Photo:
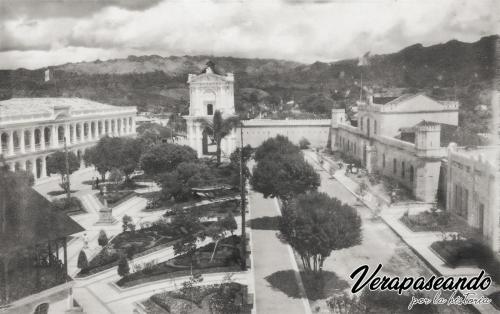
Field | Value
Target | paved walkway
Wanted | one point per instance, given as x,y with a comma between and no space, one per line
270,255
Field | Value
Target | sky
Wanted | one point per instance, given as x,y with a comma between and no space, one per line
39,33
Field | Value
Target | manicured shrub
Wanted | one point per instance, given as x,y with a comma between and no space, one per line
123,267
83,263
103,238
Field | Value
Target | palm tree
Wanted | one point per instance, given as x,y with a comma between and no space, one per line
219,128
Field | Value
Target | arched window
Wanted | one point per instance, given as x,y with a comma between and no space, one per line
42,309
394,165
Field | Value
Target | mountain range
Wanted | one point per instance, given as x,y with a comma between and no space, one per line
452,70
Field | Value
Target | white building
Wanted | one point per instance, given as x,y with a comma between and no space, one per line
33,128
209,92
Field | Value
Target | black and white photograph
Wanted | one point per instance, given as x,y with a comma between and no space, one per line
249,156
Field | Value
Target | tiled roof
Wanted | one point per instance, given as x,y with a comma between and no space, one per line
35,221
19,106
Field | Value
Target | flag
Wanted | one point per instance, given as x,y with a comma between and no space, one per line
363,61
47,75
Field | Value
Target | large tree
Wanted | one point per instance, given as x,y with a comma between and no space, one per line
154,133
179,183
190,228
131,152
163,158
106,155
219,128
56,163
279,145
315,225
284,176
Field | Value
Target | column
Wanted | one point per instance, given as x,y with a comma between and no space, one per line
22,142
11,143
42,139
55,136
44,167
73,137
133,124
33,167
32,140
67,134
199,139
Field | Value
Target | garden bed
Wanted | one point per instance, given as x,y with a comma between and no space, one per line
72,207
115,198
212,210
226,259
131,244
59,192
227,297
468,252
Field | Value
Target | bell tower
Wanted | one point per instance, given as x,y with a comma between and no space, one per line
209,91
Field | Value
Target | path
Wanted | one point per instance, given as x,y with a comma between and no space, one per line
270,255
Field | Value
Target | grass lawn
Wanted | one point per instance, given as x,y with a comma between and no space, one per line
59,192
132,244
115,198
226,259
440,221
227,297
468,253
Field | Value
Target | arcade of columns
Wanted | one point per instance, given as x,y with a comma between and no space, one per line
26,148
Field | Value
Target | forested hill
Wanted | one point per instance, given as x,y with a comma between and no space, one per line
451,70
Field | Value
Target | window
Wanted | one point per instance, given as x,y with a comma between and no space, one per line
402,169
383,160
394,165
361,123
375,127
210,109
412,174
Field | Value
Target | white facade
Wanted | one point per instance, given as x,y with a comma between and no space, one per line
209,92
33,128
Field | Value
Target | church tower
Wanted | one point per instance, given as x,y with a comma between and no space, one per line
209,92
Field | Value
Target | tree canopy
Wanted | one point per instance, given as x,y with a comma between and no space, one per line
279,145
284,176
166,157
179,182
315,224
56,163
219,128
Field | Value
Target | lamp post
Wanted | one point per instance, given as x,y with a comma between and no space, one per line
243,207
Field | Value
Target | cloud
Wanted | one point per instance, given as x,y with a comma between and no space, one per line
297,30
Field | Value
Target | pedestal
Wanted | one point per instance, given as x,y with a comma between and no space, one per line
105,217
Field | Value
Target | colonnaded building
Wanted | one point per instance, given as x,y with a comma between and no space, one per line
33,128
405,138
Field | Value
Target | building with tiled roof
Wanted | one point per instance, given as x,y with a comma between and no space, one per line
33,128
399,137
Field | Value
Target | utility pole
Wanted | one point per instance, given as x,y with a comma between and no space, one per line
243,243
66,161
